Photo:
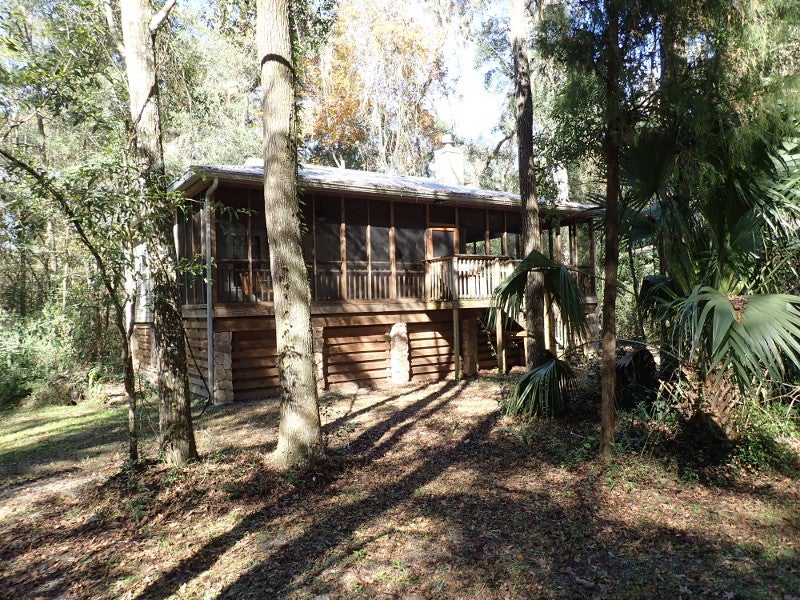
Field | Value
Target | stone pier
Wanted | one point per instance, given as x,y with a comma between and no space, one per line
223,367
399,354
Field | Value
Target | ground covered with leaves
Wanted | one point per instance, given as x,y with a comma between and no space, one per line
427,492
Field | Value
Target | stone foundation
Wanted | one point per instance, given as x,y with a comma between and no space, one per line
318,346
223,367
400,364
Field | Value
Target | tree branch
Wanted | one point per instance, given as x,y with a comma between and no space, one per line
495,152
113,27
161,16
63,203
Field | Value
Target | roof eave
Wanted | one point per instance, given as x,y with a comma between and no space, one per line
201,174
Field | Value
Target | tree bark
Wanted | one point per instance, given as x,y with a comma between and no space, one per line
611,149
531,234
175,417
299,433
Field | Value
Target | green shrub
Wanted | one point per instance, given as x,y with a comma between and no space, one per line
760,451
16,370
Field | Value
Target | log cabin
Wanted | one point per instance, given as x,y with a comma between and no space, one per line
401,269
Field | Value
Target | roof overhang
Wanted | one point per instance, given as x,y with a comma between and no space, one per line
314,178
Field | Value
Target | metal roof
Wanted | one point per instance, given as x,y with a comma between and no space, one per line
317,178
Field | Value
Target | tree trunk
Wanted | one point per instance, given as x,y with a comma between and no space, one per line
636,290
175,417
531,234
299,433
611,146
128,378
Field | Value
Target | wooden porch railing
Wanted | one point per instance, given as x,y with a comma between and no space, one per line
466,276
460,277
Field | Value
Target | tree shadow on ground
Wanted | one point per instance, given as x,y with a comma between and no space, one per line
84,436
315,484
468,512
489,539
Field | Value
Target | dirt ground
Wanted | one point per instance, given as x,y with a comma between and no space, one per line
427,492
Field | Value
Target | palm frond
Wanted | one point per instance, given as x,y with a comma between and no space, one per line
558,282
543,391
657,295
750,335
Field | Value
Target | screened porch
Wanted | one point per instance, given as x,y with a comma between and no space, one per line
360,250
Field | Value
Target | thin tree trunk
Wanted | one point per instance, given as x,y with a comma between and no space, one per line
611,151
175,417
636,303
531,234
299,433
111,287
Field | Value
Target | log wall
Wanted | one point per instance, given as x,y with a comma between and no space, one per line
357,354
356,349
196,355
255,361
431,347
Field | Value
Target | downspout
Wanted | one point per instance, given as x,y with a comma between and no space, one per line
209,289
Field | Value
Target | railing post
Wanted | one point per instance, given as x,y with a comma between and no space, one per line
495,276
427,281
454,278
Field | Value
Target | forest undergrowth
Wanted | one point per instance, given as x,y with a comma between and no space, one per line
427,492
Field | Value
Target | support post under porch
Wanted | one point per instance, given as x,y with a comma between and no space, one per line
500,341
456,341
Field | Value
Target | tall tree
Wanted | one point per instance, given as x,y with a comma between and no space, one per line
139,25
611,153
299,434
370,92
531,234
602,47
60,84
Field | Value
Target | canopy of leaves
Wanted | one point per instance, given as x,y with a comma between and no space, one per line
368,96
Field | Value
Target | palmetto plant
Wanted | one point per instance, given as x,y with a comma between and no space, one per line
728,253
542,391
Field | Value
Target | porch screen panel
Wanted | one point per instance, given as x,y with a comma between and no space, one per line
443,242
497,226
472,225
328,277
191,253
409,243
243,258
442,215
258,279
380,262
231,256
513,234
356,224
307,238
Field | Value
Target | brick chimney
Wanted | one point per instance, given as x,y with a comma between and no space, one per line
448,163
